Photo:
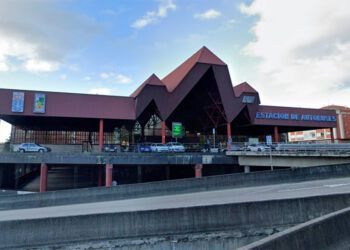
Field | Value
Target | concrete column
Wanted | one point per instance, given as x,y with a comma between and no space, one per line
167,172
229,137
109,175
246,169
43,178
100,136
75,176
198,170
163,132
139,173
99,176
275,137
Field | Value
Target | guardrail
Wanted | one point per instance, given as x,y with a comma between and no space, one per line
218,148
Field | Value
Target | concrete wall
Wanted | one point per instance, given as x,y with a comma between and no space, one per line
118,158
174,186
246,219
290,161
331,231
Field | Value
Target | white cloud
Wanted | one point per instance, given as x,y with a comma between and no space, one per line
5,130
87,78
123,79
38,35
304,51
154,16
4,67
105,75
208,15
100,91
34,65
115,77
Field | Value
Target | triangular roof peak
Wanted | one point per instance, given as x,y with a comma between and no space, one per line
204,55
243,87
152,80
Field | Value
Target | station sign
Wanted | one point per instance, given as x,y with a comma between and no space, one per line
177,130
295,117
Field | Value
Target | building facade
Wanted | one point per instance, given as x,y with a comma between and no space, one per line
198,94
341,133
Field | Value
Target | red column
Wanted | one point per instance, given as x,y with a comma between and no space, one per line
100,136
163,132
275,137
229,137
109,175
43,177
99,175
198,170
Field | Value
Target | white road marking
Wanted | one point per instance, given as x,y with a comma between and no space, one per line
337,185
298,189
306,188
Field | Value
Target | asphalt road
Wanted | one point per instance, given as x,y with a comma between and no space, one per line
237,195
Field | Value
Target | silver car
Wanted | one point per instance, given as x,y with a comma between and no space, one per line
258,148
159,147
175,147
32,147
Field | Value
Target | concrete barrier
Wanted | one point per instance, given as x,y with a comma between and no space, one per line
174,186
265,217
117,158
331,231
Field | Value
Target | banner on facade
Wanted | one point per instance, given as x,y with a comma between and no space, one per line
39,103
177,130
17,102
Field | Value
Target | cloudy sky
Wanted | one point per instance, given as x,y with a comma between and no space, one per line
294,52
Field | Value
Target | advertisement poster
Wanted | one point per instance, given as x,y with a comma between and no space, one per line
17,102
39,103
177,130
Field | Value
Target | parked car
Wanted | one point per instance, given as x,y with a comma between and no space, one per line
112,148
258,147
234,147
32,147
175,147
159,147
144,148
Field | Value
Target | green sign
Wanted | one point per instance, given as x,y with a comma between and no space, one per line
177,130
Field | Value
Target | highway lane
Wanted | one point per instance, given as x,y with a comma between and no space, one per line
225,196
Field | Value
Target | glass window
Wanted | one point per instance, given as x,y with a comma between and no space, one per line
248,99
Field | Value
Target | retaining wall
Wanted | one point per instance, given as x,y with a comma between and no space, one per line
331,231
53,198
245,218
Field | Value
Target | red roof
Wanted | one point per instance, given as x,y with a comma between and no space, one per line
243,88
152,80
204,55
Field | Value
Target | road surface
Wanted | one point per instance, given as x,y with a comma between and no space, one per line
226,196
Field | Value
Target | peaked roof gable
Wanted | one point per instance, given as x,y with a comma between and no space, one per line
243,87
152,80
204,55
